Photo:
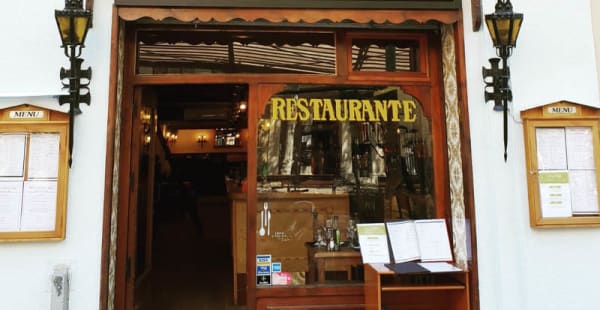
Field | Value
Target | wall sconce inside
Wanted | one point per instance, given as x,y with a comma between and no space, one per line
170,137
201,140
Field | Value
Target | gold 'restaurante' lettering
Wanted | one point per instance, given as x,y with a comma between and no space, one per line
316,104
341,110
328,112
409,107
354,110
277,108
291,108
355,106
303,111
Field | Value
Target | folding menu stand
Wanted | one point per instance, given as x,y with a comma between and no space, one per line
385,289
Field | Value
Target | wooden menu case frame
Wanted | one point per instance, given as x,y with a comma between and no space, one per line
45,126
543,128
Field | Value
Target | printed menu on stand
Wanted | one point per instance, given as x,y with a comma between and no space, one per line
417,246
373,243
425,240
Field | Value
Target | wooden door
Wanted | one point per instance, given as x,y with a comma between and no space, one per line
145,133
138,142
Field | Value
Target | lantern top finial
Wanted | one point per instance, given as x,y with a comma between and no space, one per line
73,4
503,7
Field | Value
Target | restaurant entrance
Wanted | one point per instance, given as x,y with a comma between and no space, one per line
386,159
179,228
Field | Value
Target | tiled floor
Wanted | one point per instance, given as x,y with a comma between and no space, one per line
190,270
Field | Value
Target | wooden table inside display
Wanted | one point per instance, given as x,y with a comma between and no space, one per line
321,261
385,289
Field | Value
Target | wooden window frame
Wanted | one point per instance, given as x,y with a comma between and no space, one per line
423,61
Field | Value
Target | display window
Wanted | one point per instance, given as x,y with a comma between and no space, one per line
329,157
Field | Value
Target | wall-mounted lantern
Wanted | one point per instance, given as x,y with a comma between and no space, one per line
73,23
504,26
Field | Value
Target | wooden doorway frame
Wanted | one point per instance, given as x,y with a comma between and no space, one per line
123,80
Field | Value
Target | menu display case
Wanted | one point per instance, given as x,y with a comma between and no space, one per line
562,156
33,174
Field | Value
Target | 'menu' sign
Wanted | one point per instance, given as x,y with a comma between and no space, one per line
358,110
26,114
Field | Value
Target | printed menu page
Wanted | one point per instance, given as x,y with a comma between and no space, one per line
555,194
43,155
12,155
584,191
426,240
580,148
29,169
10,205
403,241
434,243
566,171
373,243
39,206
551,148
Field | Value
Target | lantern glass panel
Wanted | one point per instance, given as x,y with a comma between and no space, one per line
503,28
64,28
516,28
81,27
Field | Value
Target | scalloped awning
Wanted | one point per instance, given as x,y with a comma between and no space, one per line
290,17
304,4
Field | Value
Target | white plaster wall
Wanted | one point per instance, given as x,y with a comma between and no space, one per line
30,60
521,267
595,8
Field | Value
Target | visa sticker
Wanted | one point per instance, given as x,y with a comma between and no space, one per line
263,270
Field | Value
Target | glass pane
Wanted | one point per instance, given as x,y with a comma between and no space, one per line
163,52
329,157
384,55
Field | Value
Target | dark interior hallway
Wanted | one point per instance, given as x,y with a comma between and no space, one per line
189,271
191,259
